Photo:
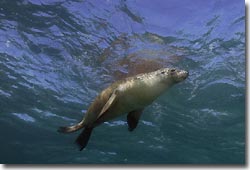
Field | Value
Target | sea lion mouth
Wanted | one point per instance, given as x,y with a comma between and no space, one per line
185,74
181,75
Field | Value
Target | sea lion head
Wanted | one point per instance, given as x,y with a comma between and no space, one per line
172,75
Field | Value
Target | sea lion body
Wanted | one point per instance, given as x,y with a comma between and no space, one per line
130,95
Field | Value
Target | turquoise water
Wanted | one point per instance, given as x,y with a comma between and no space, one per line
56,56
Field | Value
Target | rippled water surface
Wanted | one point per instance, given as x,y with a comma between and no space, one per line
57,55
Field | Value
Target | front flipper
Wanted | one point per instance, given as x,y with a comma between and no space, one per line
133,119
109,103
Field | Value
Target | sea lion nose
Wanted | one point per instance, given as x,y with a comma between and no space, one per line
186,74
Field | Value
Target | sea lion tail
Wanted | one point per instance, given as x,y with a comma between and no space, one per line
83,138
70,129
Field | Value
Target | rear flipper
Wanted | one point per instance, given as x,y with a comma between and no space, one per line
70,129
83,138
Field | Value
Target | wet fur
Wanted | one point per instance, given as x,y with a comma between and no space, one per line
154,83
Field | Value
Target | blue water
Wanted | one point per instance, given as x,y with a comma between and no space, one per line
57,55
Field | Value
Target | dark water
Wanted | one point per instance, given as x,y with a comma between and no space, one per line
57,55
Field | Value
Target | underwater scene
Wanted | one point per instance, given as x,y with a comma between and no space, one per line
56,56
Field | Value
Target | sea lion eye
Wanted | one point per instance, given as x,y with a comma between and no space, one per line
173,70
163,72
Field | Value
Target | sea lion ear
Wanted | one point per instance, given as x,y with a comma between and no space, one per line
133,119
109,103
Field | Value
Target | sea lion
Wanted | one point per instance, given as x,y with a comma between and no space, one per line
130,95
